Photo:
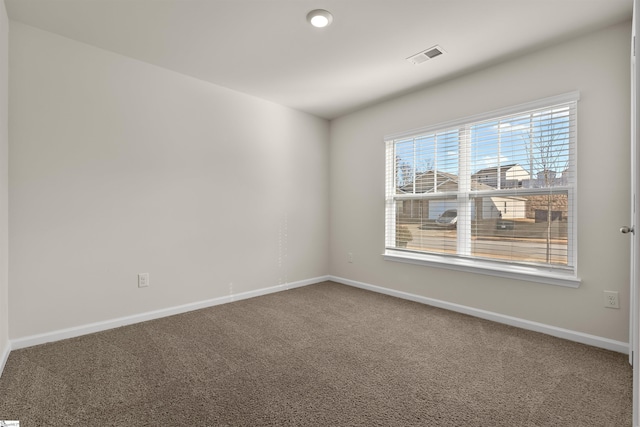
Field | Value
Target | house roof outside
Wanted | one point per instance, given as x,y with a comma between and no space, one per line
432,181
494,169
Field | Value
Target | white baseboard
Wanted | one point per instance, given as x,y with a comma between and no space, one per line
593,340
4,357
580,337
143,317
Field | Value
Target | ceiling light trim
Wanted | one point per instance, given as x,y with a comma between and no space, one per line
320,18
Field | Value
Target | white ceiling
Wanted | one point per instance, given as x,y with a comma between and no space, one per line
267,49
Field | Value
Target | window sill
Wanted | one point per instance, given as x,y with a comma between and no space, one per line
518,272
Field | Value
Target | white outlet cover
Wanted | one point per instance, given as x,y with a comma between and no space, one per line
611,299
143,280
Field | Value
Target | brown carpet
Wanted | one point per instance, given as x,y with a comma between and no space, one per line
321,355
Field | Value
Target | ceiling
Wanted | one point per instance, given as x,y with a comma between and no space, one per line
267,49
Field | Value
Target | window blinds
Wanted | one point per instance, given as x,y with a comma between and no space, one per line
498,187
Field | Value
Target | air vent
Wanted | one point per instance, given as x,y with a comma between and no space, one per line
426,55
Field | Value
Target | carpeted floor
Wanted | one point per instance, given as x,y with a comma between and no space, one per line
321,355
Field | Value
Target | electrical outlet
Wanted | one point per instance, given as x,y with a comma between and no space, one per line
143,280
611,299
350,257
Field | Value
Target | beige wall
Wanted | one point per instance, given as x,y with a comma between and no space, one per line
4,178
119,167
598,66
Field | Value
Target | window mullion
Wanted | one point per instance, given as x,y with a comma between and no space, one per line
413,171
464,187
390,191
499,156
435,163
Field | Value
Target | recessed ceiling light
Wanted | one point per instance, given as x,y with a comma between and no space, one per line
320,18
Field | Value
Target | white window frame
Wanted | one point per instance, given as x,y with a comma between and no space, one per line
540,274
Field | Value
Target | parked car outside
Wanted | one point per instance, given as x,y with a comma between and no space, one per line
449,218
505,224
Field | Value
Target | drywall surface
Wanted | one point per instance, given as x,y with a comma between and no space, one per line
357,183
4,180
119,167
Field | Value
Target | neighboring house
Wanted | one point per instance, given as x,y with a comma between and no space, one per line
540,207
503,176
547,178
432,181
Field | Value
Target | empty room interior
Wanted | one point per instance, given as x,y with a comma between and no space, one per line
278,212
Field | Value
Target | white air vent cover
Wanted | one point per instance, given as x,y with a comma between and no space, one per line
426,55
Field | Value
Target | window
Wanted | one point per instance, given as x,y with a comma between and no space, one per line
494,193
